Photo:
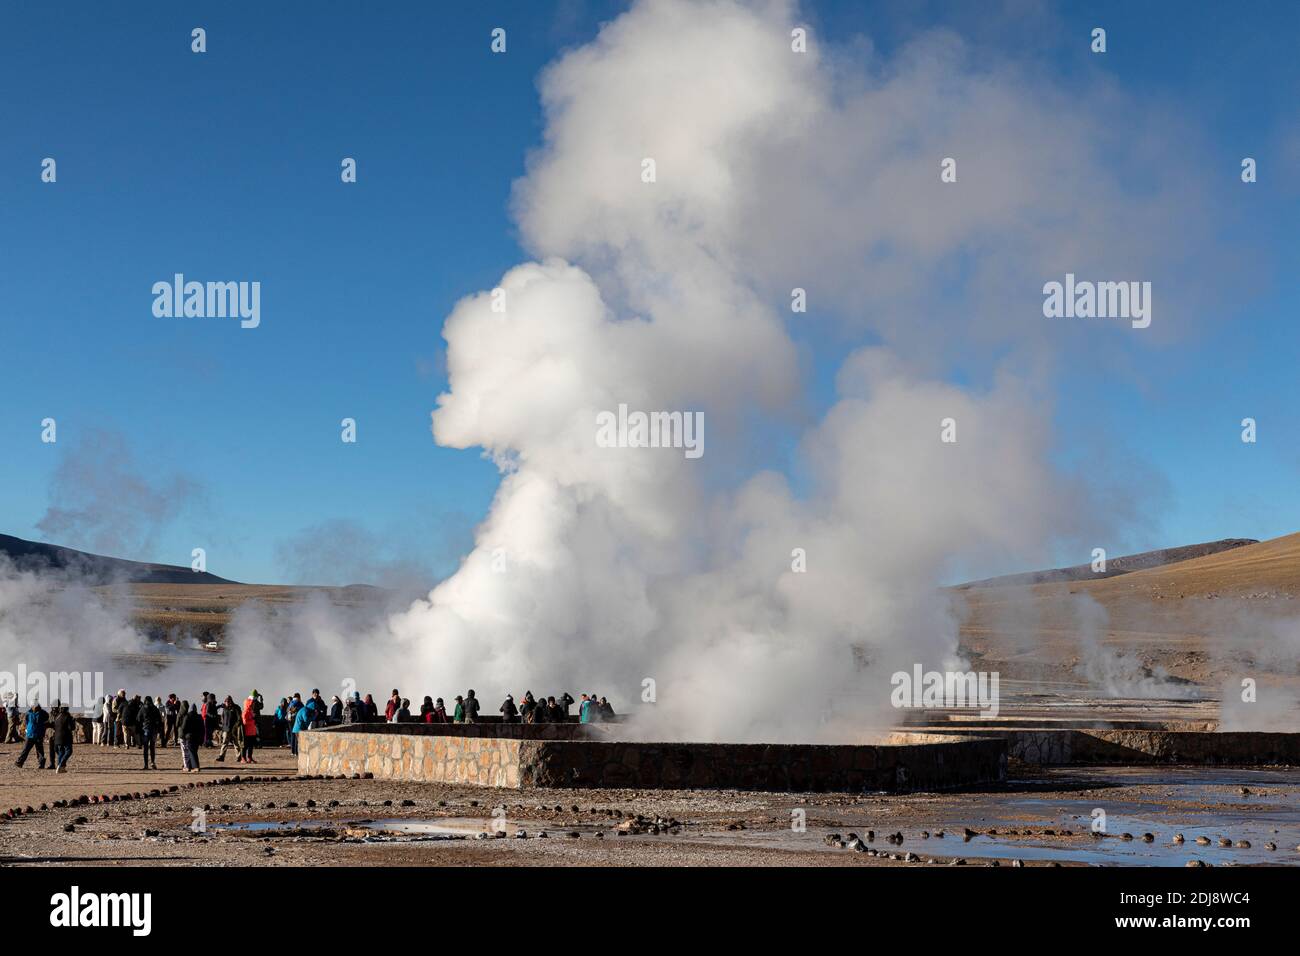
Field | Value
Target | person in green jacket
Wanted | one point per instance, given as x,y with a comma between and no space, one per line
459,717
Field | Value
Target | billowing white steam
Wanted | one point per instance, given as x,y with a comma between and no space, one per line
599,569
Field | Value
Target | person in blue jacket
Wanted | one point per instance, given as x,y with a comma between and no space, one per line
35,735
302,720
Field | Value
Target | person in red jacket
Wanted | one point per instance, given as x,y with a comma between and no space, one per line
250,730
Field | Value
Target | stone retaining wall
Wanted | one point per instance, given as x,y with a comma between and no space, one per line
574,756
436,758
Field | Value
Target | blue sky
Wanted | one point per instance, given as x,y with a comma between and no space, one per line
226,166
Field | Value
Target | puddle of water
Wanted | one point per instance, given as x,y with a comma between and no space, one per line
1111,850
460,827
1194,801
446,826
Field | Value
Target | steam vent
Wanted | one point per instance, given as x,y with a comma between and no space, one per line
522,756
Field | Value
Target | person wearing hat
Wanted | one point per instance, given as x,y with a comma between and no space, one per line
15,716
509,712
459,717
251,708
301,721
61,740
192,729
316,708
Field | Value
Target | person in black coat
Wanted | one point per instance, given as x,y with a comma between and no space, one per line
54,712
192,730
149,723
509,713
65,726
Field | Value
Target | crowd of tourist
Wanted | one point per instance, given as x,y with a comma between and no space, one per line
147,723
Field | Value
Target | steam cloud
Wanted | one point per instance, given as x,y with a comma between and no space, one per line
610,567
102,502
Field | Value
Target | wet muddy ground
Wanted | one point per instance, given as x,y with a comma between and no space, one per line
1070,816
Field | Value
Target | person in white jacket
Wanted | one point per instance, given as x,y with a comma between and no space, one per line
101,725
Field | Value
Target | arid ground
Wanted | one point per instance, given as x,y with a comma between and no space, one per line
1038,818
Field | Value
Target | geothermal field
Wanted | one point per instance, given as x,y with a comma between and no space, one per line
1129,744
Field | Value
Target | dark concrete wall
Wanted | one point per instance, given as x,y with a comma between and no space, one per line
1145,747
522,756
773,767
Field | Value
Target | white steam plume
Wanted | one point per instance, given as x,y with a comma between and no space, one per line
599,568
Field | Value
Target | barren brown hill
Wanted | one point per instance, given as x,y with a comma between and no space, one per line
1125,564
1209,620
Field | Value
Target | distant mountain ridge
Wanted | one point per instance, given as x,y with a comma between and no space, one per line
1114,566
96,569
